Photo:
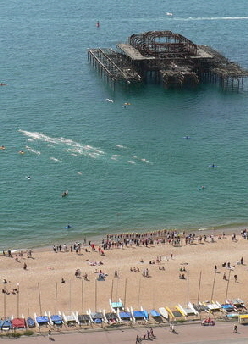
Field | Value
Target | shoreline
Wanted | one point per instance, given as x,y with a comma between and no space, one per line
97,238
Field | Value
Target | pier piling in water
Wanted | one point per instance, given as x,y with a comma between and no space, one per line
166,58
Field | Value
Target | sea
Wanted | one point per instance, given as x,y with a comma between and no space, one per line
136,168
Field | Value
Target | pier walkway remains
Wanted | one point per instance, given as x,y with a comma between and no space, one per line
166,58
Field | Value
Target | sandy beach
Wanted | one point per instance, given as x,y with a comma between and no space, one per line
40,287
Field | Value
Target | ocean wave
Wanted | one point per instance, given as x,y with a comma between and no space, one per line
54,159
74,147
32,150
209,18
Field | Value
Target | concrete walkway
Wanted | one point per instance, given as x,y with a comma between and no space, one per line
221,333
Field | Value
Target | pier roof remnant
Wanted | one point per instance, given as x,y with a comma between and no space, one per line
167,58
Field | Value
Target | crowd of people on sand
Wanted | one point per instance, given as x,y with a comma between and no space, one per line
117,241
172,237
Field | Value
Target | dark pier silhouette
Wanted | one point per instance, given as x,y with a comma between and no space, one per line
166,58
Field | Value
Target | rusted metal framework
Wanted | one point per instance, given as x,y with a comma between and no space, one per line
163,44
166,58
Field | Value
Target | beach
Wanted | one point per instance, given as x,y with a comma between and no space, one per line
144,275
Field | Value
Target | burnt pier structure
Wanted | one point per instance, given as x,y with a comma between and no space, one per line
167,58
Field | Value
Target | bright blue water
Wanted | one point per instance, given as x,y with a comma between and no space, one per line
126,169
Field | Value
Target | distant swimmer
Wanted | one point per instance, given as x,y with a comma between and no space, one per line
68,226
213,166
65,193
28,177
98,24
202,187
126,104
2,147
2,84
21,152
187,137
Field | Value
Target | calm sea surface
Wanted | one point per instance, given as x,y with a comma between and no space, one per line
126,169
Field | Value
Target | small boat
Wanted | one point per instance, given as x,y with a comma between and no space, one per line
6,325
30,322
97,317
111,317
125,316
164,313
84,319
18,323
56,320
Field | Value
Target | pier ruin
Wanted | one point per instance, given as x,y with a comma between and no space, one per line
166,58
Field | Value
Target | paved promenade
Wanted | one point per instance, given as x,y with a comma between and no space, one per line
222,333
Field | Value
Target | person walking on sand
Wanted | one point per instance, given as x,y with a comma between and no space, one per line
235,328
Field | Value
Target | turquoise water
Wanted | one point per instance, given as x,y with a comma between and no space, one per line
126,169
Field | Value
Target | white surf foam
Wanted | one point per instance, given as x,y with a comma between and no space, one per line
73,146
